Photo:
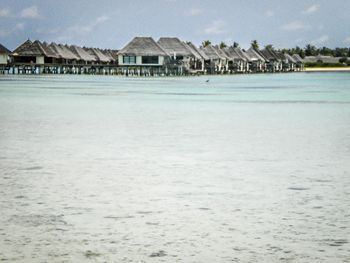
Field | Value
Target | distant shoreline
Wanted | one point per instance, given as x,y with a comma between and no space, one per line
327,69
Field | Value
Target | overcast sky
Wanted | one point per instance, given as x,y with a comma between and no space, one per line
112,23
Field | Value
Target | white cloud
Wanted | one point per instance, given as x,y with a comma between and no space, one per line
30,12
78,29
321,40
5,12
294,26
101,19
269,13
83,29
312,9
12,30
194,12
347,40
216,27
19,26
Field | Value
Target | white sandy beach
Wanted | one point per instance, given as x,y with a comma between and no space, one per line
330,69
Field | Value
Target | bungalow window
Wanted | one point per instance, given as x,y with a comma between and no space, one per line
150,60
177,58
129,60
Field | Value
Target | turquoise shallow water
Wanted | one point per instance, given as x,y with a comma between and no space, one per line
246,168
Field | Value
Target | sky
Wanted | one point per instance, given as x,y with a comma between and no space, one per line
113,23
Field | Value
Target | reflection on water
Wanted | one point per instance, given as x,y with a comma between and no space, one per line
240,169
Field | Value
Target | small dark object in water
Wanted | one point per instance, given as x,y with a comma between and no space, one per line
160,253
32,168
90,254
207,80
298,188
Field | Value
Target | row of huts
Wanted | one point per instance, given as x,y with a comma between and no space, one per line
144,56
41,57
322,59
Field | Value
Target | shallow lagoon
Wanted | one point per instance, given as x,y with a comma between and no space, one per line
245,168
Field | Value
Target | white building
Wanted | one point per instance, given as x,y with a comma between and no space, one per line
4,55
142,51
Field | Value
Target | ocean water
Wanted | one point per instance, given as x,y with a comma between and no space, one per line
246,168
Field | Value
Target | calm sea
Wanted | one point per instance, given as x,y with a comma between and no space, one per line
246,168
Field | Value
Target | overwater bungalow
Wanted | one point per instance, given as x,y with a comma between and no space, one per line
256,61
4,58
112,54
67,60
203,61
4,55
142,56
237,61
226,60
217,62
64,53
84,56
299,62
273,61
244,58
290,63
283,60
181,57
102,60
33,57
85,63
198,62
100,57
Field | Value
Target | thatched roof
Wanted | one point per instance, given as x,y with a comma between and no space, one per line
33,49
49,51
4,50
91,52
242,54
23,47
221,53
254,55
199,51
269,54
261,54
210,52
174,46
290,58
111,53
63,52
37,48
101,56
108,54
27,49
232,53
194,52
142,46
297,58
81,53
281,56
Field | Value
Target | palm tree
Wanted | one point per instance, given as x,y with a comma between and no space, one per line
310,50
254,44
222,44
206,43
